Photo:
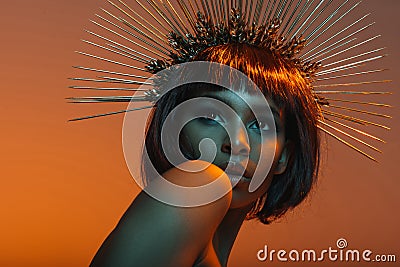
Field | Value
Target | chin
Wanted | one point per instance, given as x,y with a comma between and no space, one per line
242,199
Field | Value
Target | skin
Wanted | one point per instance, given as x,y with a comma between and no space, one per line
239,148
152,233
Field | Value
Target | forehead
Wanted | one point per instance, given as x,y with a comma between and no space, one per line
243,100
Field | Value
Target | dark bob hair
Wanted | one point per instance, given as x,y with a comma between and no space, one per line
284,84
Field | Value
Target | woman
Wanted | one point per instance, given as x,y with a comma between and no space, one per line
152,233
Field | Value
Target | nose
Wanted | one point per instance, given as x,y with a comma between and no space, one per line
236,143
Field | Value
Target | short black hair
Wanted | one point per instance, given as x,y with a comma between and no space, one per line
284,83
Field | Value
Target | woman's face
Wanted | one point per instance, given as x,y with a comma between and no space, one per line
244,142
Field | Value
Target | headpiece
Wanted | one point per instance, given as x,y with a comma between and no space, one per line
154,35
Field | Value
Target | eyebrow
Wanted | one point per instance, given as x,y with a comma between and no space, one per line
274,110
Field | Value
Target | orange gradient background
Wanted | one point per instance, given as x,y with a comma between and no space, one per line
65,185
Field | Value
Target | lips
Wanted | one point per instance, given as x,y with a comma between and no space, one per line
234,168
236,171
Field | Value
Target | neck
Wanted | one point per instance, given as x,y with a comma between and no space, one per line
227,232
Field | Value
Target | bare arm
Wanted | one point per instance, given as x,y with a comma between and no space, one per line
152,233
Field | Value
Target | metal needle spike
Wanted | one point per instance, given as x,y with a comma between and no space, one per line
301,14
351,84
173,38
350,48
353,57
111,61
350,136
347,144
325,22
335,35
352,64
352,92
141,19
287,10
128,53
139,22
338,70
187,14
330,49
133,35
316,17
108,80
356,130
360,111
154,5
111,72
307,18
124,80
107,88
351,74
358,102
271,9
107,99
152,15
136,53
354,119
109,114
170,10
116,52
291,15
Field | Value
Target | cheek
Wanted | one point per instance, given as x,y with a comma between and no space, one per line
264,148
264,157
280,144
194,132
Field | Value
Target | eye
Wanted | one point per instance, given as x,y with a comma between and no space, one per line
261,125
212,117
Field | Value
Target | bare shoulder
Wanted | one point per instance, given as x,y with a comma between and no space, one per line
152,233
